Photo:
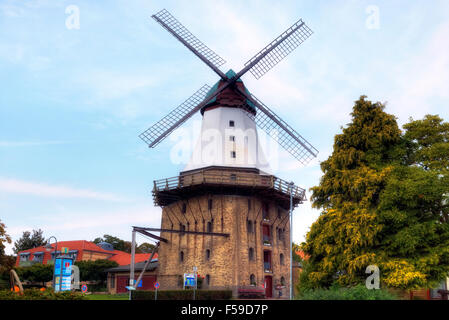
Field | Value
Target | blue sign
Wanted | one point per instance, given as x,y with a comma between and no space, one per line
189,280
156,285
84,288
63,274
140,284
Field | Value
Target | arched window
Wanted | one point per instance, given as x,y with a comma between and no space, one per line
207,254
282,281
252,280
251,254
281,259
184,208
209,226
207,279
181,256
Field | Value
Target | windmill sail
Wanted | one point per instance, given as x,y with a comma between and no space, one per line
213,60
278,49
159,131
279,130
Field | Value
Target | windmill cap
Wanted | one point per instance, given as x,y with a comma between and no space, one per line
229,74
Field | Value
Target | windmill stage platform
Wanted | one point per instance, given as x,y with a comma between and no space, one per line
226,181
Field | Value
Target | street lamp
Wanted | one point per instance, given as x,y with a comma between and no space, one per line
291,184
48,248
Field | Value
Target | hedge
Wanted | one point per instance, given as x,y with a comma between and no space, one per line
182,295
36,294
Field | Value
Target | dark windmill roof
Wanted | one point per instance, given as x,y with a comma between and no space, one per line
214,88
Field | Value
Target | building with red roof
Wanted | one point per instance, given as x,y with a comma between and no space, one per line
79,250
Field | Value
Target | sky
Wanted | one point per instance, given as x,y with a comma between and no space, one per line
80,80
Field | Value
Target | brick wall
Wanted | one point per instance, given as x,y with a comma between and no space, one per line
229,265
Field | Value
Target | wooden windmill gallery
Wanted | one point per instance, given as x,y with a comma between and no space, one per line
225,213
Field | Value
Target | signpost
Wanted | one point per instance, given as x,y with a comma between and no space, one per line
190,280
84,288
156,286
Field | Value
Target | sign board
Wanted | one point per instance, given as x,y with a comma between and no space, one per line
64,250
189,280
140,284
84,288
63,274
156,285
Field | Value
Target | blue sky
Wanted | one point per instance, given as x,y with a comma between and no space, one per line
73,101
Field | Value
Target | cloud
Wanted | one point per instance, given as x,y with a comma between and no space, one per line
45,190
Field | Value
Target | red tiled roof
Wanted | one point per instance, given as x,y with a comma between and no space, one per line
121,257
124,258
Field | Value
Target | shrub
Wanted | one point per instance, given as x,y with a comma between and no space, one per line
182,295
336,292
36,294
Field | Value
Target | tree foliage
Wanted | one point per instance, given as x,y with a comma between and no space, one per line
4,238
383,197
95,270
123,245
36,273
29,241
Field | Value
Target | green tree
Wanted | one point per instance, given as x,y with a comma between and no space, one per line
118,243
29,241
95,270
145,248
377,208
36,273
4,238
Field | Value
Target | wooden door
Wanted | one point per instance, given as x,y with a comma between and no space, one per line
268,286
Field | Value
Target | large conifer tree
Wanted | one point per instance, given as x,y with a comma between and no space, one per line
378,207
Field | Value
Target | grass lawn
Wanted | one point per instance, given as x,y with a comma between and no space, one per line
107,296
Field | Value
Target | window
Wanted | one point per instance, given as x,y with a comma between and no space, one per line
209,204
181,256
265,211
231,123
24,256
207,279
233,177
282,281
279,213
209,226
249,226
184,208
207,254
38,257
112,282
233,154
252,280
281,259
249,204
231,138
251,254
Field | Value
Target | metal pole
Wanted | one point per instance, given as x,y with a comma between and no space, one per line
54,263
291,240
133,254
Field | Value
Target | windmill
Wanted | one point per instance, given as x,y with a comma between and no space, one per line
226,218
258,65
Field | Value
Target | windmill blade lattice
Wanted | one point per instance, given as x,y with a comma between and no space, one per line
299,32
166,20
158,132
279,130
